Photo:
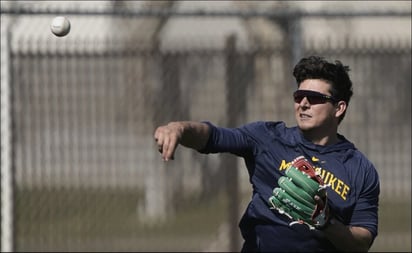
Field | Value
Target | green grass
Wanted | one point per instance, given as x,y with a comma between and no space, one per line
103,220
394,233
107,220
395,216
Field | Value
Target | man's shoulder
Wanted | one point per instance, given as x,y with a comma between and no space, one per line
268,125
270,129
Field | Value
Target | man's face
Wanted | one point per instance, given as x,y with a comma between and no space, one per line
313,112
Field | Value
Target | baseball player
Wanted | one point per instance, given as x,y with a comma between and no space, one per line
312,189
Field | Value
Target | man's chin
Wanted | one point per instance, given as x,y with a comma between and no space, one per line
305,126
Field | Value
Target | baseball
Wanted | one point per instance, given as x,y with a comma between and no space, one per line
60,26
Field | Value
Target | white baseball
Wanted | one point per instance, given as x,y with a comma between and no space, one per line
60,26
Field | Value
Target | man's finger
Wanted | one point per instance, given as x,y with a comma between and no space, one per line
169,148
166,142
318,200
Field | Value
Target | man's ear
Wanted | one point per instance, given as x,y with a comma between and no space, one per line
340,108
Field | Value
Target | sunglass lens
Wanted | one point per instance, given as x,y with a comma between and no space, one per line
316,100
297,98
312,97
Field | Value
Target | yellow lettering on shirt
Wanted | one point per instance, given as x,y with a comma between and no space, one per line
344,191
326,177
284,165
332,181
338,186
335,183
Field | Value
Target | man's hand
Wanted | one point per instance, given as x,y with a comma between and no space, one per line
167,138
187,133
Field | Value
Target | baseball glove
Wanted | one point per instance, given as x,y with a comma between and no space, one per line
295,195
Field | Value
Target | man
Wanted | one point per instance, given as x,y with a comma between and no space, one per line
320,102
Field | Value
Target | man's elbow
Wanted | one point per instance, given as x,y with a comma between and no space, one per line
364,239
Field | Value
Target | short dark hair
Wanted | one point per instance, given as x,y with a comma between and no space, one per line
336,74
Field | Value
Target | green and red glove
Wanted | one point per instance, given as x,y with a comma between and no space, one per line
295,196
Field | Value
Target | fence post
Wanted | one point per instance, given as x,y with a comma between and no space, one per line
295,33
233,111
7,153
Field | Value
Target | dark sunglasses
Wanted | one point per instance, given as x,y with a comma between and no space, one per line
313,97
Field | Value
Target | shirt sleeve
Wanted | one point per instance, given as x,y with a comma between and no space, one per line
222,139
366,210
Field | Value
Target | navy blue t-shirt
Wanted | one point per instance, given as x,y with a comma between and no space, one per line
267,149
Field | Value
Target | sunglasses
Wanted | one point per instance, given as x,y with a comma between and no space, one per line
313,97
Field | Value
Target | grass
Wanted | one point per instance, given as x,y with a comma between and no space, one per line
394,233
107,220
103,220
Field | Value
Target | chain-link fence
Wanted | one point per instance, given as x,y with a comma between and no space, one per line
81,112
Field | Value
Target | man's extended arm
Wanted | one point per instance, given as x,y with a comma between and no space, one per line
187,133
